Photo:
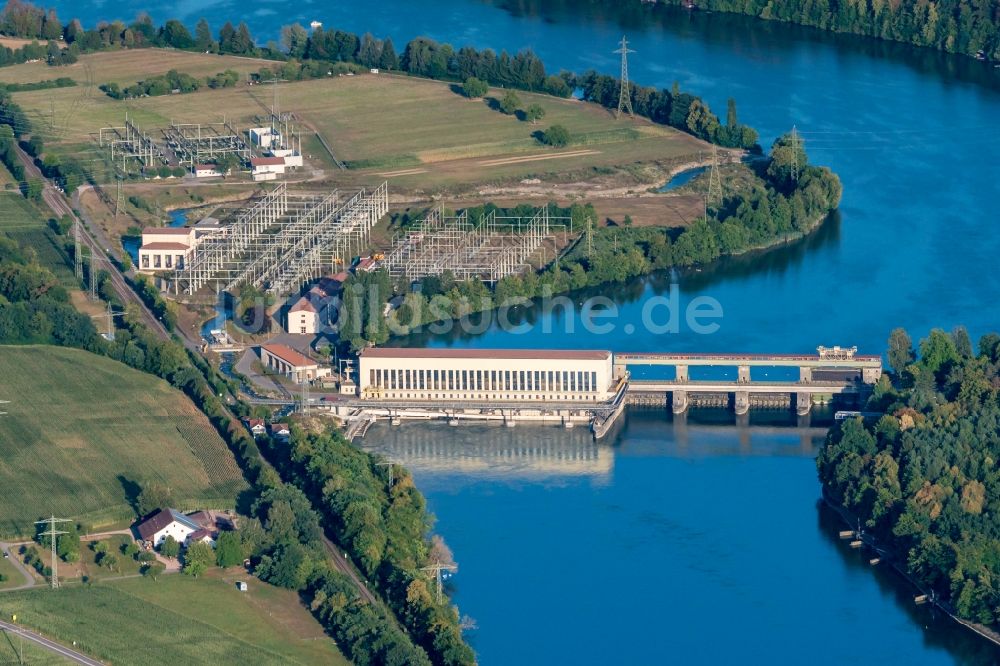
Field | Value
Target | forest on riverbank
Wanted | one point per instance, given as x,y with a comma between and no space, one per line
969,27
923,479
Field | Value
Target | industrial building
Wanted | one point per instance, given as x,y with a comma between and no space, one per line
166,248
494,375
290,363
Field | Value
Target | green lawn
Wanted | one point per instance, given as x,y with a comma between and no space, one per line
82,431
178,620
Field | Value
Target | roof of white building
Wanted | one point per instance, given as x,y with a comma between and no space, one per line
164,246
266,161
506,354
303,305
289,356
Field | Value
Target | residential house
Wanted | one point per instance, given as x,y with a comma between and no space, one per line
164,523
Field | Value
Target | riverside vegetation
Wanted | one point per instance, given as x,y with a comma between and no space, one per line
923,479
970,27
283,535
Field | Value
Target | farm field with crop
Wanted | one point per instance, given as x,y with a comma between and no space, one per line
178,619
68,447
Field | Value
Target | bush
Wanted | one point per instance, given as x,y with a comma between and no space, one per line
556,136
473,88
510,103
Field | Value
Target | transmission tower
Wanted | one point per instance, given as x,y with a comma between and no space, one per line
590,235
624,94
77,256
437,569
94,261
795,154
119,196
389,465
52,533
110,317
305,396
714,196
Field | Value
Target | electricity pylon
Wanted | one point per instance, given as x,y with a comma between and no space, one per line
795,154
110,316
389,465
624,94
437,569
77,256
52,533
714,196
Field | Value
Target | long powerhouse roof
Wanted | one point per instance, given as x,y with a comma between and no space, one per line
513,354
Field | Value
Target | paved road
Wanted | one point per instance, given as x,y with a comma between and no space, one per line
29,580
51,646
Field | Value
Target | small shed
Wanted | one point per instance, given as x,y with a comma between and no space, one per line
241,586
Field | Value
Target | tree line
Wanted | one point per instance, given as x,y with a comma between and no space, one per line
970,27
923,479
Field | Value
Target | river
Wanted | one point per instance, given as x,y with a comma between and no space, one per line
699,543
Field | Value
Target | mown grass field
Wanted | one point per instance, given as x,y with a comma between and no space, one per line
131,66
81,430
178,620
379,124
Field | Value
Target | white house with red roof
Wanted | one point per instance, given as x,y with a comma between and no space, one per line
303,317
257,427
266,168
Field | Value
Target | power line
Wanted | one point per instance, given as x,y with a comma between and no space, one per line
624,94
52,533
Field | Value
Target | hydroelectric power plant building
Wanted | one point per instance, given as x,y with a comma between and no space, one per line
591,386
494,375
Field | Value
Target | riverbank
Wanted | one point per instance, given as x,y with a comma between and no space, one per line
851,521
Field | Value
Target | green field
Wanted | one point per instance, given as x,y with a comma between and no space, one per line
178,620
379,124
13,649
18,214
82,431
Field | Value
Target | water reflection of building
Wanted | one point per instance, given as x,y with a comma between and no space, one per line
522,452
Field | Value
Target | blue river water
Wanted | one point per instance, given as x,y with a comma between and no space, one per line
702,541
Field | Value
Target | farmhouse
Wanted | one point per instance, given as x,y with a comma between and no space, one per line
303,317
256,427
291,364
164,523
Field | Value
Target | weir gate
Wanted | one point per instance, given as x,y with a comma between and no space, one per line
832,371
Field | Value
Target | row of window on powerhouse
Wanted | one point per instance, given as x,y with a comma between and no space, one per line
576,381
153,260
